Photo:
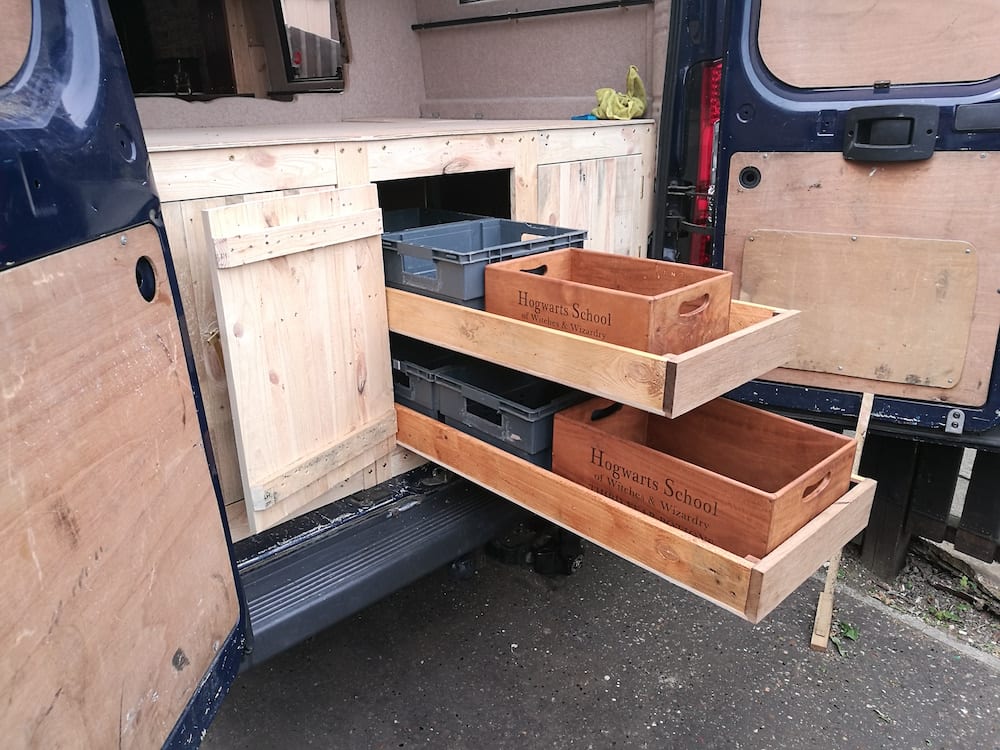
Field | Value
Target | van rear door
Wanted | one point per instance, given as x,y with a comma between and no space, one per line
123,623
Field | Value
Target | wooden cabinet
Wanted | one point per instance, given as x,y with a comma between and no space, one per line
589,175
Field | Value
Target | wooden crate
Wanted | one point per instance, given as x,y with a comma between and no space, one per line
649,305
749,587
738,477
760,338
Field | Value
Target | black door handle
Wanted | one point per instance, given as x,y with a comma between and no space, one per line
891,132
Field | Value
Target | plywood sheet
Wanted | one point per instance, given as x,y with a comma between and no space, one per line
947,197
858,42
599,195
306,348
117,581
15,36
884,308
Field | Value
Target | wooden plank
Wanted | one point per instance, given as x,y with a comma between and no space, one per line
404,158
116,571
247,78
308,469
263,228
307,355
669,384
524,181
683,559
847,44
630,376
948,197
193,259
15,36
555,147
697,376
785,569
187,175
599,195
899,309
824,608
377,129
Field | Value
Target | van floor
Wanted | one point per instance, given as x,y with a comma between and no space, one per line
611,657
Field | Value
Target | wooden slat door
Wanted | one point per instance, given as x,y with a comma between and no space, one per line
301,300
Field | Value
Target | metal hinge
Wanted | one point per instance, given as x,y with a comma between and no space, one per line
955,423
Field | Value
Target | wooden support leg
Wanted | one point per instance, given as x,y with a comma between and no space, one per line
824,608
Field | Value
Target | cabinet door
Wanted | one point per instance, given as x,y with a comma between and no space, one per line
602,196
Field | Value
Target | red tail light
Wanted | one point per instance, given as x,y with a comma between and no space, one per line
711,104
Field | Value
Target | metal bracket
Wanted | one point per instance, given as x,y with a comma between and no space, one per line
955,423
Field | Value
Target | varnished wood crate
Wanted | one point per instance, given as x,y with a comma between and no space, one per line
747,586
649,305
738,477
759,339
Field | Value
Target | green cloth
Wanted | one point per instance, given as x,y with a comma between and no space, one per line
612,105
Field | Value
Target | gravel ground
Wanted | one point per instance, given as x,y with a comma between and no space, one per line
935,588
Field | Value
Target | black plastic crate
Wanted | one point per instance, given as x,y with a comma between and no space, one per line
447,261
401,219
415,366
504,407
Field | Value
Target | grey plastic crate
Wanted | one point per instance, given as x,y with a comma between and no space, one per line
415,366
447,261
504,407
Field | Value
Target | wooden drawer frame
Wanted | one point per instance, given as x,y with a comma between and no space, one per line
748,587
760,339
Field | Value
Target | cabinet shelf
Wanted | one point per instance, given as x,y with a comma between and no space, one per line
749,587
760,339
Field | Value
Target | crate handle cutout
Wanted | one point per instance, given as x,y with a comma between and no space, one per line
481,411
604,411
813,491
539,271
695,306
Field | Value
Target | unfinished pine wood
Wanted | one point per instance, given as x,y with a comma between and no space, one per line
947,197
307,354
858,42
745,587
117,574
262,229
248,77
15,36
599,195
900,309
727,473
644,304
668,384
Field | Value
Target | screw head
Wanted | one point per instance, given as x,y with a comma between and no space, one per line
123,240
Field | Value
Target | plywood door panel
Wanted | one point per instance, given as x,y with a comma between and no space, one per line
858,42
910,302
599,195
15,35
306,345
947,197
116,573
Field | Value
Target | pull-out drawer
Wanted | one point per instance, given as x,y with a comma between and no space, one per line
760,339
747,586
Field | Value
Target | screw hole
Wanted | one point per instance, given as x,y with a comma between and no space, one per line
145,278
37,184
749,177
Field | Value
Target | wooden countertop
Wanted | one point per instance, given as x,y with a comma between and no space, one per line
188,139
